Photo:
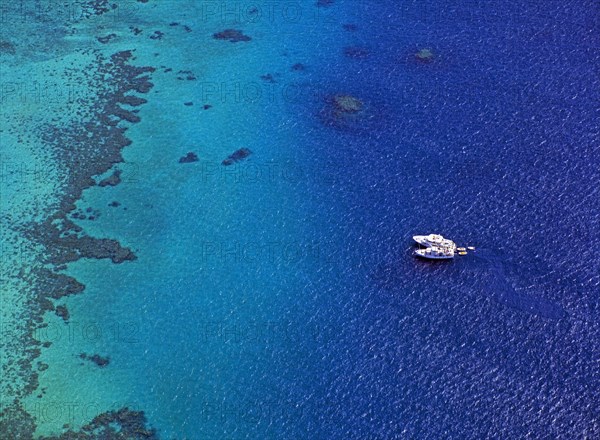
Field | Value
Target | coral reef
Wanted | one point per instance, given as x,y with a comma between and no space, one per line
345,104
232,35
425,55
189,158
113,180
100,361
124,424
237,156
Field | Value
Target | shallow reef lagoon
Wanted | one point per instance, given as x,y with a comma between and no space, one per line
207,210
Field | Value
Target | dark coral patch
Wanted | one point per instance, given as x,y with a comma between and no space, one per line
132,100
16,423
113,180
157,35
96,359
237,156
107,38
268,78
80,215
232,35
125,115
189,158
186,74
124,424
62,312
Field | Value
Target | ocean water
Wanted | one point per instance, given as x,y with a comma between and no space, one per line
278,297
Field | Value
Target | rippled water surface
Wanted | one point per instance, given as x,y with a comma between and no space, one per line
277,296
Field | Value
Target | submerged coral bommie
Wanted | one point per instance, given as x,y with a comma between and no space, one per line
189,158
425,55
345,111
232,35
347,104
100,361
237,156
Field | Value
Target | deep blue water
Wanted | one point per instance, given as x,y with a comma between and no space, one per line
495,143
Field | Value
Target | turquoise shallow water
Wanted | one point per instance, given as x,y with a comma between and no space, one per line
214,329
277,297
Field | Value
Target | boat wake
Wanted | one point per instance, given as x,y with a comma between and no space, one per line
507,285
485,272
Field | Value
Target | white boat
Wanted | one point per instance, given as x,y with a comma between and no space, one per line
435,253
434,240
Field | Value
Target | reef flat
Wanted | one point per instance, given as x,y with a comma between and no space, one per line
67,125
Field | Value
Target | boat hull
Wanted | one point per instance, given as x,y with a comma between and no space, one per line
427,254
425,257
425,240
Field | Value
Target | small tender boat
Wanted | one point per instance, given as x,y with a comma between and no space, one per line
435,253
434,240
